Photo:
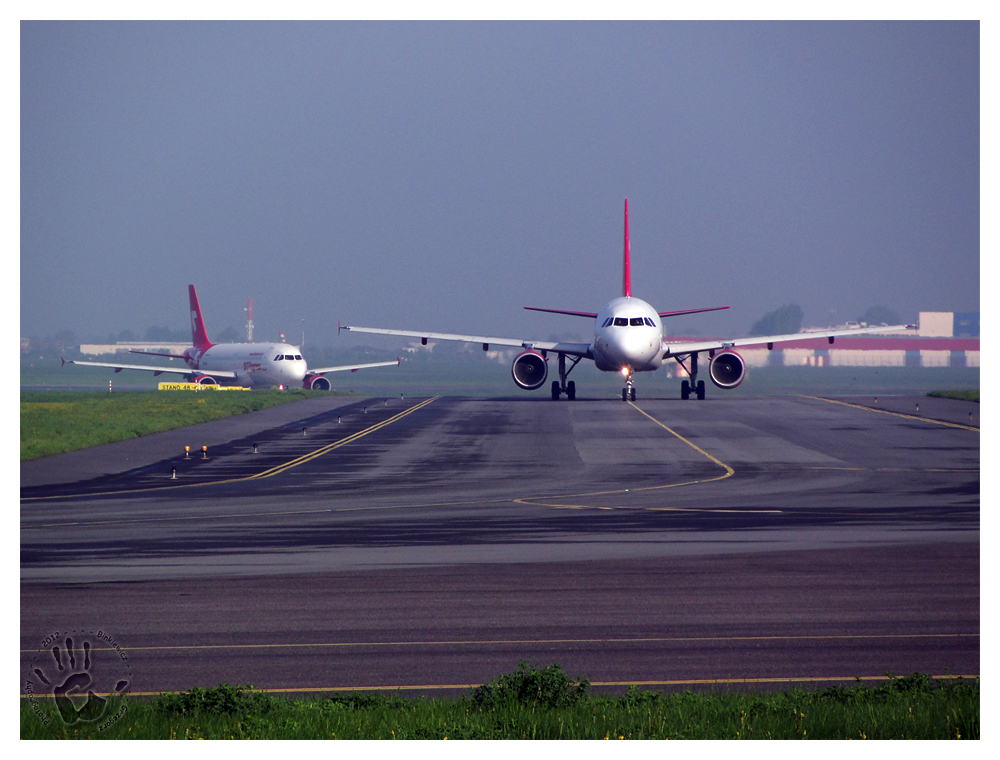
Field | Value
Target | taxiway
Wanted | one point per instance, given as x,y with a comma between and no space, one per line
432,543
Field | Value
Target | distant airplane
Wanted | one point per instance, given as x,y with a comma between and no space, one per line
628,338
250,365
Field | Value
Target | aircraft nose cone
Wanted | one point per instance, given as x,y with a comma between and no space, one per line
640,348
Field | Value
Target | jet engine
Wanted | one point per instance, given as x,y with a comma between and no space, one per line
529,370
316,383
727,369
205,380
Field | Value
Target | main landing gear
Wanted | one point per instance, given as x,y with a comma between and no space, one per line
696,385
560,386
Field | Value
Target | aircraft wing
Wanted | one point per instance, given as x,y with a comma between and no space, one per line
352,367
155,353
573,349
684,349
589,314
158,370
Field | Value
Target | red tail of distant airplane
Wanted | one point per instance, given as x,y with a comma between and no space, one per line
199,337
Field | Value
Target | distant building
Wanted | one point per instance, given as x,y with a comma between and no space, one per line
947,324
122,347
943,339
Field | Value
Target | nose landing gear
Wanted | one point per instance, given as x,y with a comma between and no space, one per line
628,392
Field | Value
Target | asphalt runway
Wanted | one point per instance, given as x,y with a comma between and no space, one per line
428,544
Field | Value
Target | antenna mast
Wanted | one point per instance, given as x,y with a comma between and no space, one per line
249,311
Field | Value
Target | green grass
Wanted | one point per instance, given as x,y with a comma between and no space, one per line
54,422
960,395
533,703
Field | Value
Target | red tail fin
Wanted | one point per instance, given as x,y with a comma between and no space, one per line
199,337
627,279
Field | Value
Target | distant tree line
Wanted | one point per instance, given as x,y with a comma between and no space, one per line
67,340
788,319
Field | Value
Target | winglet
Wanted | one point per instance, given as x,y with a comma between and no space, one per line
627,277
199,337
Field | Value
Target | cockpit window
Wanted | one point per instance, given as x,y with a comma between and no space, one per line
608,321
648,321
636,322
621,322
298,357
278,358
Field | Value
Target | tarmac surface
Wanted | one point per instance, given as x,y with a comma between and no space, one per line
429,544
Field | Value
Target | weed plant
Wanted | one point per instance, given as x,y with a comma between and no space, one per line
533,703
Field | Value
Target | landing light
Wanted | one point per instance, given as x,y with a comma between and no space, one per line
624,371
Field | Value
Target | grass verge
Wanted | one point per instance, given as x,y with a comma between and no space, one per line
533,703
960,395
54,422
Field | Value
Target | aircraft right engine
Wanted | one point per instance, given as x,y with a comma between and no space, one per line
727,369
316,383
205,380
529,370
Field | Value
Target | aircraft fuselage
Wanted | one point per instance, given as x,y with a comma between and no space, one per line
257,365
628,336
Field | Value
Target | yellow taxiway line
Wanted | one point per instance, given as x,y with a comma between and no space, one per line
264,474
895,414
534,500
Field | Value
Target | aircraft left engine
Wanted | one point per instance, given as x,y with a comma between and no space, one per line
529,370
727,369
205,380
316,383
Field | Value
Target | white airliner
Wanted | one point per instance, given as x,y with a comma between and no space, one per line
250,365
628,338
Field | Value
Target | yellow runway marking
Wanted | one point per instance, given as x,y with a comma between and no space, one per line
688,682
337,444
522,642
245,515
892,469
894,414
535,500
266,473
574,642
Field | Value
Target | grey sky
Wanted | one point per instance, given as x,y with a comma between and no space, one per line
441,176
